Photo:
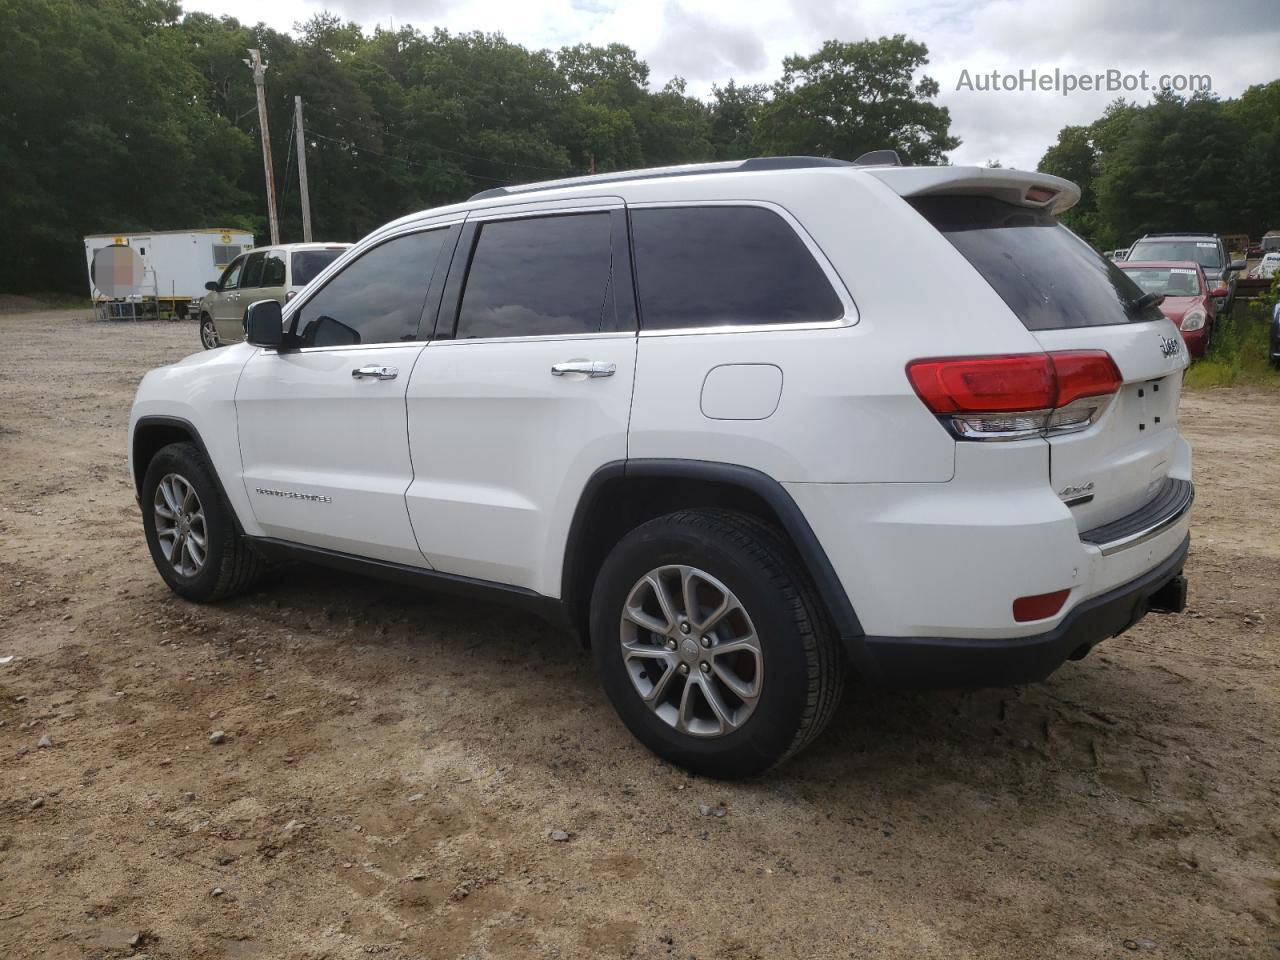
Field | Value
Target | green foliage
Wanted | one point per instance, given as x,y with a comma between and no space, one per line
1240,352
1197,164
121,115
850,98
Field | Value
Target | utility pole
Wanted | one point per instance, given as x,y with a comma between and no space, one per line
302,171
259,68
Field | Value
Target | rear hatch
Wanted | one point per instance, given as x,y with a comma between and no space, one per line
1070,297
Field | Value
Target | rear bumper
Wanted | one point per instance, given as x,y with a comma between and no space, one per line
967,662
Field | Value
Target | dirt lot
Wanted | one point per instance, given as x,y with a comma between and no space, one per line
394,762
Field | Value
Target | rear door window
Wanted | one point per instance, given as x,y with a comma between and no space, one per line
725,265
540,276
1049,277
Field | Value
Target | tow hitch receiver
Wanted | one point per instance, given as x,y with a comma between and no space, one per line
1171,598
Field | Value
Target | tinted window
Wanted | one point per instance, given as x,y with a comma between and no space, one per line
1049,277
1203,252
375,299
231,276
544,275
308,263
715,266
273,270
252,274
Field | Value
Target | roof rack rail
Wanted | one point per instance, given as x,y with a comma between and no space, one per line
687,170
1183,233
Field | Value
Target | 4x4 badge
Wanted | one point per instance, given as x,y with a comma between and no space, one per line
1169,346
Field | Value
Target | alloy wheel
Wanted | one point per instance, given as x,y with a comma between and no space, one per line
180,524
691,651
208,335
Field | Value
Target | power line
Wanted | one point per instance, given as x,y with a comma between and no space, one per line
459,153
387,156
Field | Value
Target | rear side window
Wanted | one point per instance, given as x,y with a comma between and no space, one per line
1049,277
538,277
725,265
308,263
375,299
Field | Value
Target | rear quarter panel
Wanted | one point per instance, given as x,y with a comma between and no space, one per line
847,413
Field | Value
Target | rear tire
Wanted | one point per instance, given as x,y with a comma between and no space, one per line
672,688
208,333
191,530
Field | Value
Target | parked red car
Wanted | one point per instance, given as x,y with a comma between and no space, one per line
1186,297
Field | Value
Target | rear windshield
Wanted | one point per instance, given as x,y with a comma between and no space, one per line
1170,281
308,263
1049,277
1203,252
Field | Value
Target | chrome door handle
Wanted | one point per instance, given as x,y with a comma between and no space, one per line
375,373
592,368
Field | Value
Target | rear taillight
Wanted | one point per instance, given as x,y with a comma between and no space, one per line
1018,396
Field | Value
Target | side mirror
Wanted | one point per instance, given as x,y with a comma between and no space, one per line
212,286
264,324
1238,265
1219,292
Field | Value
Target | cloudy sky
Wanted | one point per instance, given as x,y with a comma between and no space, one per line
1235,42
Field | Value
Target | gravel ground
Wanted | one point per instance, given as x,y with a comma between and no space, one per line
394,766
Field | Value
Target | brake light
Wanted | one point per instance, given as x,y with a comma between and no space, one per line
1039,607
1017,396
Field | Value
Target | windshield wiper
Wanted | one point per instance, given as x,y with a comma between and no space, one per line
1132,307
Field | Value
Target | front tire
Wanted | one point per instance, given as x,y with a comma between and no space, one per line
712,644
208,333
191,529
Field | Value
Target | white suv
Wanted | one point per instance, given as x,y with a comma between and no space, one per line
705,417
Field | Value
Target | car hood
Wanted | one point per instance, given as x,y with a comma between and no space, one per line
1176,307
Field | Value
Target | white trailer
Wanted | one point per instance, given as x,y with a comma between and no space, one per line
175,266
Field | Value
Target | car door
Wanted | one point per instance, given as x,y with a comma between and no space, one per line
322,423
524,391
230,320
273,284
220,303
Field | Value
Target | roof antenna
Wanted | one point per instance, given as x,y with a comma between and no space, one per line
879,158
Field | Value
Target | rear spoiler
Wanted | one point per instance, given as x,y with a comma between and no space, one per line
1019,187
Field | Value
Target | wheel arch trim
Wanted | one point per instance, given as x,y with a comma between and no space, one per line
795,526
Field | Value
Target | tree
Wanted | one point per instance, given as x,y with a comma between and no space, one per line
1074,157
850,98
103,127
735,110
